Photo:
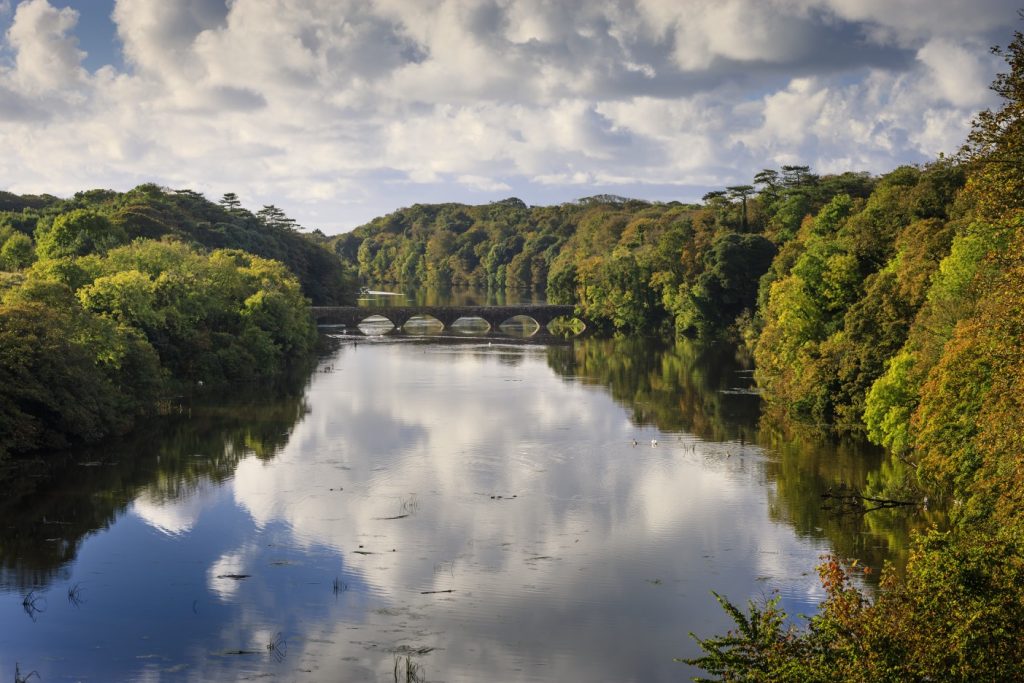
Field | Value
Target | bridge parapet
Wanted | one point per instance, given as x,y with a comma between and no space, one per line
352,316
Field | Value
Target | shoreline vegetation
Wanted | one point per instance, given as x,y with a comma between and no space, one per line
888,307
113,304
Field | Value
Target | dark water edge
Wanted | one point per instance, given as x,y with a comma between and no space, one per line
553,466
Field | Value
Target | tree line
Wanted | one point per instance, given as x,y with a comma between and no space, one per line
902,315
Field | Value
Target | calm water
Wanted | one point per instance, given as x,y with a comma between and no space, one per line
475,505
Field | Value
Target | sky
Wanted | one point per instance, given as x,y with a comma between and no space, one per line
338,111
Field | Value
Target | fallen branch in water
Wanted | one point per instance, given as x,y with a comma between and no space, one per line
853,502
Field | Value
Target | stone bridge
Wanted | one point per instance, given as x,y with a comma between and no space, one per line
351,316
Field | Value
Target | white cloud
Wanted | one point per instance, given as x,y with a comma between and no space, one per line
483,183
910,20
293,101
47,55
741,30
959,75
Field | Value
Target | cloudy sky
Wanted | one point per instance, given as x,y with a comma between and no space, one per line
341,110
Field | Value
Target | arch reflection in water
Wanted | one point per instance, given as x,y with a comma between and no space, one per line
423,325
376,325
520,326
470,325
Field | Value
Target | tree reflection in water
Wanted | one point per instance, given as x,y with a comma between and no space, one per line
707,390
52,503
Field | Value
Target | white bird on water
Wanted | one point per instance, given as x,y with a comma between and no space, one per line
654,442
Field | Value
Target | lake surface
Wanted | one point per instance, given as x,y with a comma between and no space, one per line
464,509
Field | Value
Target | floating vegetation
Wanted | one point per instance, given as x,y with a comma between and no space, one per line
410,651
849,501
278,647
34,604
75,598
406,508
408,671
20,678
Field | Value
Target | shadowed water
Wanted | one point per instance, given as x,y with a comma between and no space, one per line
476,505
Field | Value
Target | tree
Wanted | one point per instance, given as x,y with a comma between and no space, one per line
741,192
274,217
127,296
797,176
78,233
767,177
66,377
230,202
17,252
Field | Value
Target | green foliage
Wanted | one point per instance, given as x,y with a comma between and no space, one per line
16,252
616,290
729,284
67,377
95,221
90,342
842,296
10,202
127,297
77,233
957,616
762,648
930,353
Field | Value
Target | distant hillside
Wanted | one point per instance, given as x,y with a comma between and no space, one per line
149,211
629,264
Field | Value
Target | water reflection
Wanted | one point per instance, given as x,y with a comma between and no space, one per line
50,506
492,509
706,390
